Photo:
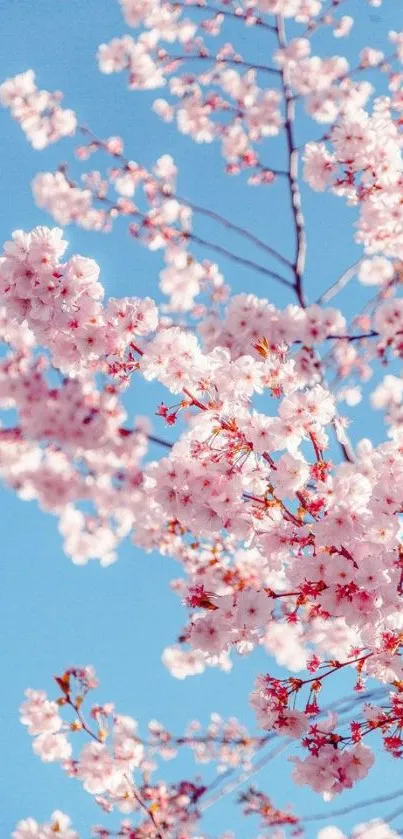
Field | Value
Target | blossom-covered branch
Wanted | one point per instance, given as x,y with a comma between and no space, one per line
281,546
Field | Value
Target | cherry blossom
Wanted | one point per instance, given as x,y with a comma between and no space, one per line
59,824
288,537
38,111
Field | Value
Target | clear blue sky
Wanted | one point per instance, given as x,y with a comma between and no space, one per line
119,619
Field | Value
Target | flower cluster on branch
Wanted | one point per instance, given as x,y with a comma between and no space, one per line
282,544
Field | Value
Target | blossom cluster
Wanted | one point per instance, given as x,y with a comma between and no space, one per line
116,766
235,470
281,545
62,302
39,112
59,824
368,149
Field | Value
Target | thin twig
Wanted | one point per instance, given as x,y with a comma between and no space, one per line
242,16
349,701
313,26
235,62
340,283
346,447
186,235
394,814
84,726
159,442
343,811
236,228
144,807
241,779
197,208
238,259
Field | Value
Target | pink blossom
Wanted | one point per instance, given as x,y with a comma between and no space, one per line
286,533
210,634
59,824
333,770
39,714
52,747
38,112
319,167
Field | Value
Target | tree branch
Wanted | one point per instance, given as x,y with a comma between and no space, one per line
293,159
197,208
343,811
236,228
248,263
235,62
241,16
337,286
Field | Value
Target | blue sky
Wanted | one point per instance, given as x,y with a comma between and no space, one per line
119,619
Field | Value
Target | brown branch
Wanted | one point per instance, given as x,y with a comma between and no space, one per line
293,158
133,788
248,263
351,338
322,20
159,442
331,670
194,401
241,16
235,62
237,228
188,236
204,211
144,807
82,721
